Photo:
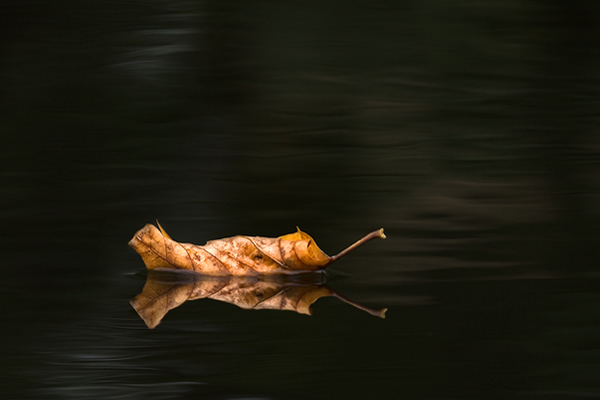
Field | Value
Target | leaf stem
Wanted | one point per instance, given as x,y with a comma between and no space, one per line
373,235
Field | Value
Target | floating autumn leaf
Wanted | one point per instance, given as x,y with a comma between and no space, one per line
165,291
238,255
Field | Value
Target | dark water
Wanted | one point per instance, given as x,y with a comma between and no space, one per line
469,131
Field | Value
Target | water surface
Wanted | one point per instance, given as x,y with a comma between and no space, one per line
468,131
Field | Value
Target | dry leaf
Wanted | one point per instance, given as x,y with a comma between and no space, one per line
238,255
164,291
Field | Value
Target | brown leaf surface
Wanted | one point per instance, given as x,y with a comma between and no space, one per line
165,291
238,255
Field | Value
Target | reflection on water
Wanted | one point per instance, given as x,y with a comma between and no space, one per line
165,290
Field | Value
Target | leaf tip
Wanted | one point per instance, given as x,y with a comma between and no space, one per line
382,313
381,234
165,234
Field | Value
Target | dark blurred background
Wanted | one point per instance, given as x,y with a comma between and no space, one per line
468,130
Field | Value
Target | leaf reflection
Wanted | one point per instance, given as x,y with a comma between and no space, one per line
166,290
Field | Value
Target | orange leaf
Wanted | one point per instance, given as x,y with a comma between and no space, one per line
238,255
